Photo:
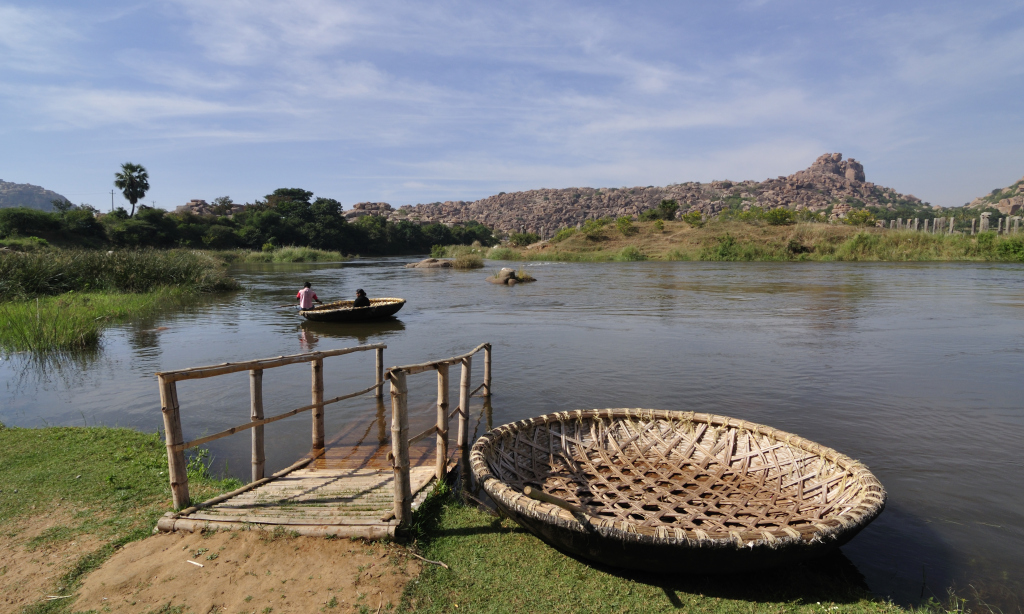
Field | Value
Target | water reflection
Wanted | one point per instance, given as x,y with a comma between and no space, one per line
361,332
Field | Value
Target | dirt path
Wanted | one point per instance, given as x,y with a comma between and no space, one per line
249,571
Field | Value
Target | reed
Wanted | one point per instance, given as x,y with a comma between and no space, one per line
73,321
281,254
57,271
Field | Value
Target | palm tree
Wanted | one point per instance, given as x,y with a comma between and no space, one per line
133,181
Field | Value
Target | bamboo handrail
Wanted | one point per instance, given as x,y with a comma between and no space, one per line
255,423
262,363
433,364
423,435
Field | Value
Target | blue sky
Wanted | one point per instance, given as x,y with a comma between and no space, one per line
409,102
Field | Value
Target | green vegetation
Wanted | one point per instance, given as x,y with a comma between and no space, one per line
288,216
563,234
625,226
694,218
779,216
133,181
630,253
73,321
666,210
111,482
464,256
53,299
522,239
495,566
859,217
280,254
54,271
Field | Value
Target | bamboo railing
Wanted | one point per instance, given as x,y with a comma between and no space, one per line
400,440
176,445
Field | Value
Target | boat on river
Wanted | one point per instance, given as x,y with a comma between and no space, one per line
344,311
671,491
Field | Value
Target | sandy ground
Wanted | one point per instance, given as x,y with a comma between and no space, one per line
249,571
28,576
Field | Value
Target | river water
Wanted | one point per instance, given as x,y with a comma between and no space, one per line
914,369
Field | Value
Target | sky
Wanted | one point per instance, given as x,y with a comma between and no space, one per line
410,102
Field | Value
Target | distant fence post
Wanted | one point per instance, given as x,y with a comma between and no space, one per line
318,403
400,446
442,422
176,465
259,458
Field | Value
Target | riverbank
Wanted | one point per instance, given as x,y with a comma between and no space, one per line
723,240
56,299
70,498
78,505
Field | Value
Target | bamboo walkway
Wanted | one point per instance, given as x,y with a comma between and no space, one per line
347,492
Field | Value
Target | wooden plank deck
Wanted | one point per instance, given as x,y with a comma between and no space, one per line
348,492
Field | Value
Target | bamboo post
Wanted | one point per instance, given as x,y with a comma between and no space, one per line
382,431
318,400
380,373
487,371
259,458
400,446
442,422
176,465
467,367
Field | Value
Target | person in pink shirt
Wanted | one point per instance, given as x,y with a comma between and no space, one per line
306,297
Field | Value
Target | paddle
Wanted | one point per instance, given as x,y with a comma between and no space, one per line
580,513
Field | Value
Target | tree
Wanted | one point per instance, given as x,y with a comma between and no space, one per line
133,181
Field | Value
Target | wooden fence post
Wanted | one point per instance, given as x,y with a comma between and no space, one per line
400,447
442,422
318,400
259,458
382,430
176,466
380,373
487,370
467,368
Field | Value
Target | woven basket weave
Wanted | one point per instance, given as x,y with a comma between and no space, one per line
675,491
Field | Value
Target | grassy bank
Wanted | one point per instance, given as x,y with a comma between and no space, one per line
281,254
102,486
57,271
73,321
721,240
495,566
55,299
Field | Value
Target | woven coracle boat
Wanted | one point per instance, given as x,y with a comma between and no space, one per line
343,311
674,491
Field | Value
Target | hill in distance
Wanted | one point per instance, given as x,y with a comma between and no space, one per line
830,184
27,195
1008,201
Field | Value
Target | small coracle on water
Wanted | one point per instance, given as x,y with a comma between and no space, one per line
345,311
674,491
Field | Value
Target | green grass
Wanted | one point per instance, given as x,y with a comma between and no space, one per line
73,321
281,254
112,482
495,566
44,272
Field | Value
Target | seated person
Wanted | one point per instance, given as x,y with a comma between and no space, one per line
361,300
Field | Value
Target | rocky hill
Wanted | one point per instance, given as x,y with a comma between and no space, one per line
26,195
1009,201
830,184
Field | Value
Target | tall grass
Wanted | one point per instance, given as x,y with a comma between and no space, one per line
56,271
282,254
72,321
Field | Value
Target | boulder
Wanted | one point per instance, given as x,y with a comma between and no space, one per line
431,263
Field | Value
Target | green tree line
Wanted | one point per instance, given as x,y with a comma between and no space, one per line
288,216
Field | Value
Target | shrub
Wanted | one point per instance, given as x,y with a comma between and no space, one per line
625,225
522,239
780,216
859,217
659,225
1011,249
630,253
502,253
593,228
468,260
693,218
563,234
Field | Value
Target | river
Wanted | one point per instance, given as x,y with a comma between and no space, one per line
914,369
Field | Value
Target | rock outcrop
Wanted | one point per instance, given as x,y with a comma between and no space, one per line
431,263
1008,201
830,181
27,195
